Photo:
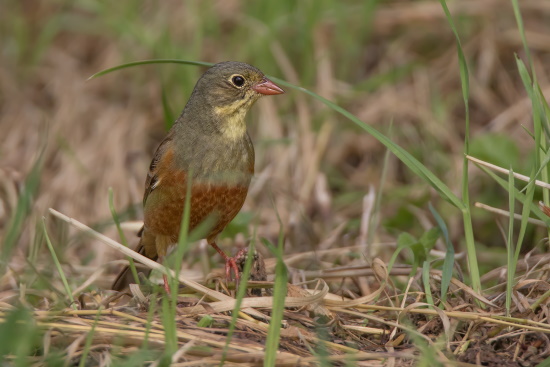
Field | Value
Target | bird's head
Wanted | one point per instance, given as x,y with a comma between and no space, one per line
225,93
232,86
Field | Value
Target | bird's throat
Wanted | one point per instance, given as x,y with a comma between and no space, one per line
232,121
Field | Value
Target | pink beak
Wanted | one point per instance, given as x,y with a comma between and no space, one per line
267,87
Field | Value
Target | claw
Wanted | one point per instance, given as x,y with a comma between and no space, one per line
231,264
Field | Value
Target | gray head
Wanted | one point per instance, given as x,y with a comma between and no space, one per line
230,86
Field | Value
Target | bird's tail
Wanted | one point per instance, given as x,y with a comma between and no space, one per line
125,277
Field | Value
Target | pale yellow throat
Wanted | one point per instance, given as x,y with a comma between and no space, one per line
233,116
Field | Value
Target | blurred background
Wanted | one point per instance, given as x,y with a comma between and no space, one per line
393,64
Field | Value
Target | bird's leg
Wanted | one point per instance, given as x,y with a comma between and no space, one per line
165,277
230,263
166,285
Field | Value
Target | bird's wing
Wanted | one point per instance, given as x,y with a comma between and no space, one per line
153,179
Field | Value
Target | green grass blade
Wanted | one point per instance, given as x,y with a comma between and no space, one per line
539,116
527,208
521,29
375,218
464,74
183,239
426,282
466,212
168,321
542,167
427,355
471,250
405,240
19,337
545,363
509,242
123,240
411,162
448,263
58,265
279,295
22,211
518,195
169,304
241,293
150,317
148,62
545,110
89,339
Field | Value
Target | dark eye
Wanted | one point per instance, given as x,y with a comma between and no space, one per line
238,80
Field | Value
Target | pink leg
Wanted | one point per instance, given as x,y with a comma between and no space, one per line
166,285
230,263
164,277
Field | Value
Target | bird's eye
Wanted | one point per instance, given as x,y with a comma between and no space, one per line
237,80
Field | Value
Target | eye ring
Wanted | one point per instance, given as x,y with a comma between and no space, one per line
237,80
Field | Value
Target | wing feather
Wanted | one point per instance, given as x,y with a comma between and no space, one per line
153,179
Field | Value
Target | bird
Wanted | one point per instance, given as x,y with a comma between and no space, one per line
209,145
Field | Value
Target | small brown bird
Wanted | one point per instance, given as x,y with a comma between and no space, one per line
208,144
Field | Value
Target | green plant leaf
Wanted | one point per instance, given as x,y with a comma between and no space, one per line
466,213
206,321
511,266
426,282
448,263
429,238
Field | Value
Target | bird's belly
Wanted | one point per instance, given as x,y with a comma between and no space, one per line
216,203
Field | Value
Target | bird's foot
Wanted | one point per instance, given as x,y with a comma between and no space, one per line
231,264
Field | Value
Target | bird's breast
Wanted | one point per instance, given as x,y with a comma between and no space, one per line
217,160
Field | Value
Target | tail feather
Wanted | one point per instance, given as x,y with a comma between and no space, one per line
125,277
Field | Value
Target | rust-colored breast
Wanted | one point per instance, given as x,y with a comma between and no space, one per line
164,205
221,202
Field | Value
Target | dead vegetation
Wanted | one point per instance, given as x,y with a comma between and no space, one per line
313,169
